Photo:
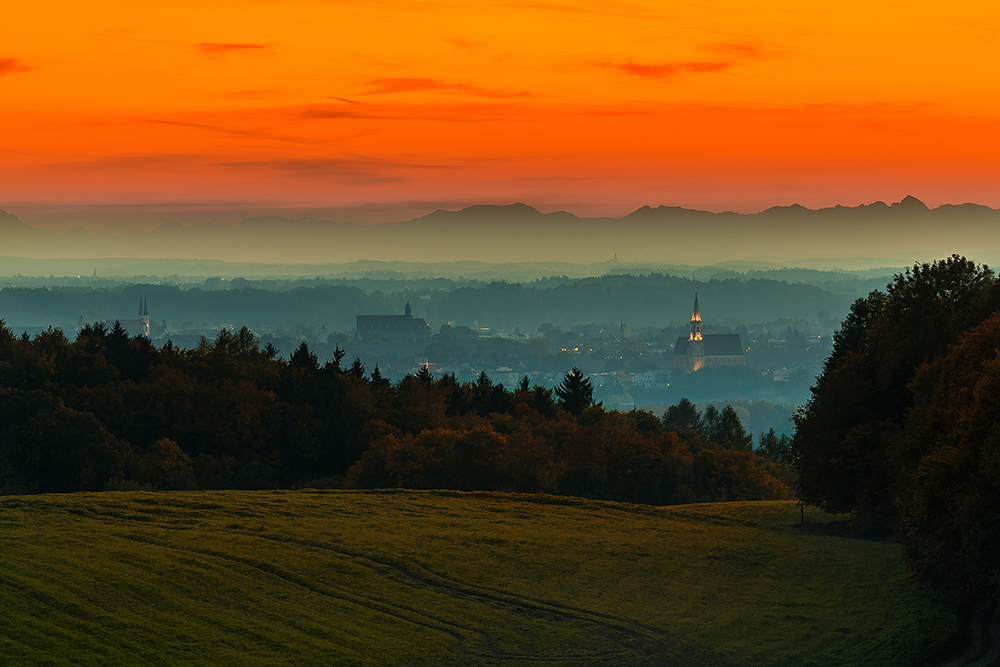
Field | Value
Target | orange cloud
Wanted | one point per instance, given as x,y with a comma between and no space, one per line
606,9
369,171
409,85
450,113
267,94
220,129
11,65
741,49
213,48
329,111
666,70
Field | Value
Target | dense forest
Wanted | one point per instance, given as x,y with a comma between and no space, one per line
903,427
106,411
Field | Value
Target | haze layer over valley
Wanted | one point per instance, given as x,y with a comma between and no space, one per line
502,289
866,236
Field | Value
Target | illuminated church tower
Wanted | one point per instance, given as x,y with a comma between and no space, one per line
696,344
144,317
698,351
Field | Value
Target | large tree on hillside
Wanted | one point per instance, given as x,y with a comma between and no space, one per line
848,447
950,526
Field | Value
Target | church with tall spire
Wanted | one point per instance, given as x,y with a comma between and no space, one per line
698,350
144,316
141,325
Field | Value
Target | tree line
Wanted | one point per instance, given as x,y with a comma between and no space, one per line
109,411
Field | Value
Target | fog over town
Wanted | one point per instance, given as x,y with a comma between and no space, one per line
451,297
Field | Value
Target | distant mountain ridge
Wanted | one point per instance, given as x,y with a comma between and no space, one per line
901,232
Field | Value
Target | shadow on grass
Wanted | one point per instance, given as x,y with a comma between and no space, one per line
843,528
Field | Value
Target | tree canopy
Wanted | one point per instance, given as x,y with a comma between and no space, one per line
901,415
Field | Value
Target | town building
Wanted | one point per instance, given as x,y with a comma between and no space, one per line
139,326
698,350
368,326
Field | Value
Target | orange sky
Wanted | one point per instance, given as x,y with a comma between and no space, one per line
593,107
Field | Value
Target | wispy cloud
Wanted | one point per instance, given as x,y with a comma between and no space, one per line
357,171
462,43
153,162
451,113
222,48
408,85
666,70
603,9
334,111
221,129
738,48
744,50
265,94
11,65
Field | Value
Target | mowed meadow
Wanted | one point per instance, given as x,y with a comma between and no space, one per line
446,578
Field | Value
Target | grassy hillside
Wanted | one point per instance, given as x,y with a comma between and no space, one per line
398,578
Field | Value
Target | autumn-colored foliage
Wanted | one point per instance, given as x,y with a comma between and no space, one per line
903,429
109,411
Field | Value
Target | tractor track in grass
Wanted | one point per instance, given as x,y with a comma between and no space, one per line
632,632
634,639
233,561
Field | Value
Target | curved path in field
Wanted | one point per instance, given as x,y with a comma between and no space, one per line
983,646
631,641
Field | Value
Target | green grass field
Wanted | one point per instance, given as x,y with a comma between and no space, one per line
439,578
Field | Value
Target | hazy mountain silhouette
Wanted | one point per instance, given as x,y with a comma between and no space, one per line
899,233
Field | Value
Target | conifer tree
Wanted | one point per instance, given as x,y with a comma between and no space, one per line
575,392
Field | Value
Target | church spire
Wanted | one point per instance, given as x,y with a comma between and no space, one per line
695,321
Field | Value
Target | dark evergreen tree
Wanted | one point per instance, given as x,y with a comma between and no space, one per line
770,445
731,432
333,365
424,375
303,358
377,379
244,344
541,400
575,392
711,425
457,394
